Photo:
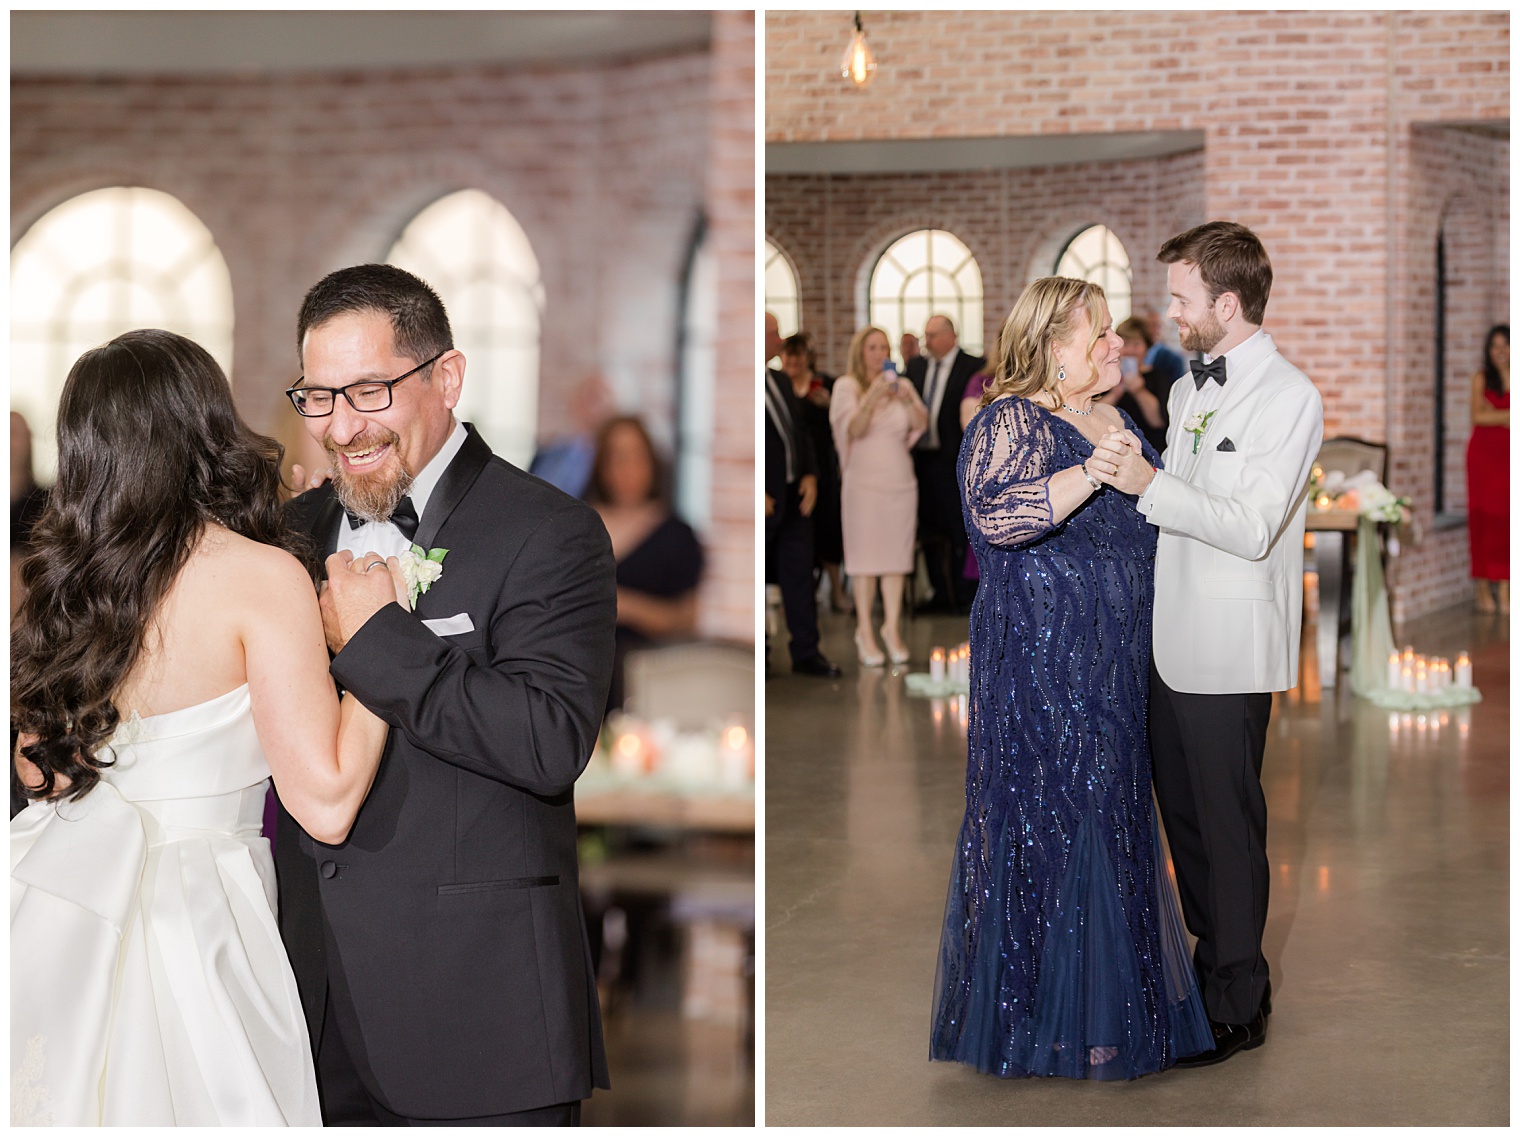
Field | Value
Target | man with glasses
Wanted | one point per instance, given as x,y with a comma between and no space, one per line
441,952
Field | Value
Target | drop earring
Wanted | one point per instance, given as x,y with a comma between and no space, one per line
1060,373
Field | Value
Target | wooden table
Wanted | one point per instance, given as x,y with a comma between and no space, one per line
1332,562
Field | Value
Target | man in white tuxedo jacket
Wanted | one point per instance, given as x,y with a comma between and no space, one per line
1230,506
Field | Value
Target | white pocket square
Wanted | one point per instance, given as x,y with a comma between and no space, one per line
450,625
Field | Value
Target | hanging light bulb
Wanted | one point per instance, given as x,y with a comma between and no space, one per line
857,64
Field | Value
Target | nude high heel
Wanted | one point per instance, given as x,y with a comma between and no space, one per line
868,659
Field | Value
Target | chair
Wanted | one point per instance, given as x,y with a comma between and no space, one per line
1352,456
692,684
1331,559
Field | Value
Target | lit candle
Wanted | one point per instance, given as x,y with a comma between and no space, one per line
1463,674
735,756
965,662
937,665
1408,656
1395,671
1322,502
1421,681
629,757
1406,680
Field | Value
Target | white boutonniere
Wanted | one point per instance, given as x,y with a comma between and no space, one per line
421,567
1196,424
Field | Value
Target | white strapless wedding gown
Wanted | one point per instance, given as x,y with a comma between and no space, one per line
149,985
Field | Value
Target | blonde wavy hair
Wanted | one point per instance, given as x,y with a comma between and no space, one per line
1048,312
855,366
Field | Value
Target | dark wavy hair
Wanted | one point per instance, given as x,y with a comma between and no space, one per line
1492,380
150,451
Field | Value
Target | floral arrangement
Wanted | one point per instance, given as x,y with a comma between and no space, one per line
1361,492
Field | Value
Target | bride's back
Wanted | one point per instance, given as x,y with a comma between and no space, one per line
193,646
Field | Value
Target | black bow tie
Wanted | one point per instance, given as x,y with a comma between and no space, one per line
1203,372
404,518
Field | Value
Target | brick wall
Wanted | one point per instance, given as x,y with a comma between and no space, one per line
606,168
1016,222
1310,121
730,588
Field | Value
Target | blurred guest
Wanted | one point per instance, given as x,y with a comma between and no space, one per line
772,338
659,559
566,463
1148,370
940,376
907,347
799,363
971,402
28,500
791,492
1488,474
877,417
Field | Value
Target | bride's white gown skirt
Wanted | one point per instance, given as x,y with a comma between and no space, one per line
149,985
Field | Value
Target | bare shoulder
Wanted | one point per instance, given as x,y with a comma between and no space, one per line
250,571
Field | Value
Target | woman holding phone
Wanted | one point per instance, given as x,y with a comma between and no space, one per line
877,418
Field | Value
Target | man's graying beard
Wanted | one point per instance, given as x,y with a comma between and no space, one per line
373,497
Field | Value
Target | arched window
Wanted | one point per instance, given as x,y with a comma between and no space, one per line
781,292
1095,254
479,261
695,396
927,273
100,264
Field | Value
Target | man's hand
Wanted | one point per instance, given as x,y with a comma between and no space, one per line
357,588
770,506
807,486
1117,461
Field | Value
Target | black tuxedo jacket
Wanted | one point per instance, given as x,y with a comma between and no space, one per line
452,913
949,423
804,458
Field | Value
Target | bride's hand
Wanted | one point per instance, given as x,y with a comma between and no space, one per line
300,481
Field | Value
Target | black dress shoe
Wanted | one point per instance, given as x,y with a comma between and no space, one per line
1229,1039
816,665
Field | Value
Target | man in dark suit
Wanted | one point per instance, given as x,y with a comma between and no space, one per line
791,491
940,374
440,951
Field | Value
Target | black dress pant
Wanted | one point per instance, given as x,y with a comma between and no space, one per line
1206,758
790,564
942,528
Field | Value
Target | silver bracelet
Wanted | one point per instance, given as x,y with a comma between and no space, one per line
1092,481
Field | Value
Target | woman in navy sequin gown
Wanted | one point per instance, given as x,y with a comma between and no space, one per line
1063,951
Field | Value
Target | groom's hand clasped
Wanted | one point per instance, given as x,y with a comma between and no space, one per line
1119,461
354,591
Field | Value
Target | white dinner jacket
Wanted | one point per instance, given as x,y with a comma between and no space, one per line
1229,557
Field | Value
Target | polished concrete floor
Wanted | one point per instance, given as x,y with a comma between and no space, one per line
1387,934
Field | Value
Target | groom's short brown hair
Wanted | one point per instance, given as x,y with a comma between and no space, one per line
1230,258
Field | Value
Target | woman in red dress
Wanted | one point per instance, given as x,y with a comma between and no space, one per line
1488,474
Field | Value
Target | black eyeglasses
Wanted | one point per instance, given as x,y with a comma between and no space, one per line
367,396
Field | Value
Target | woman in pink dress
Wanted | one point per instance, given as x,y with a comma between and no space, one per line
876,418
